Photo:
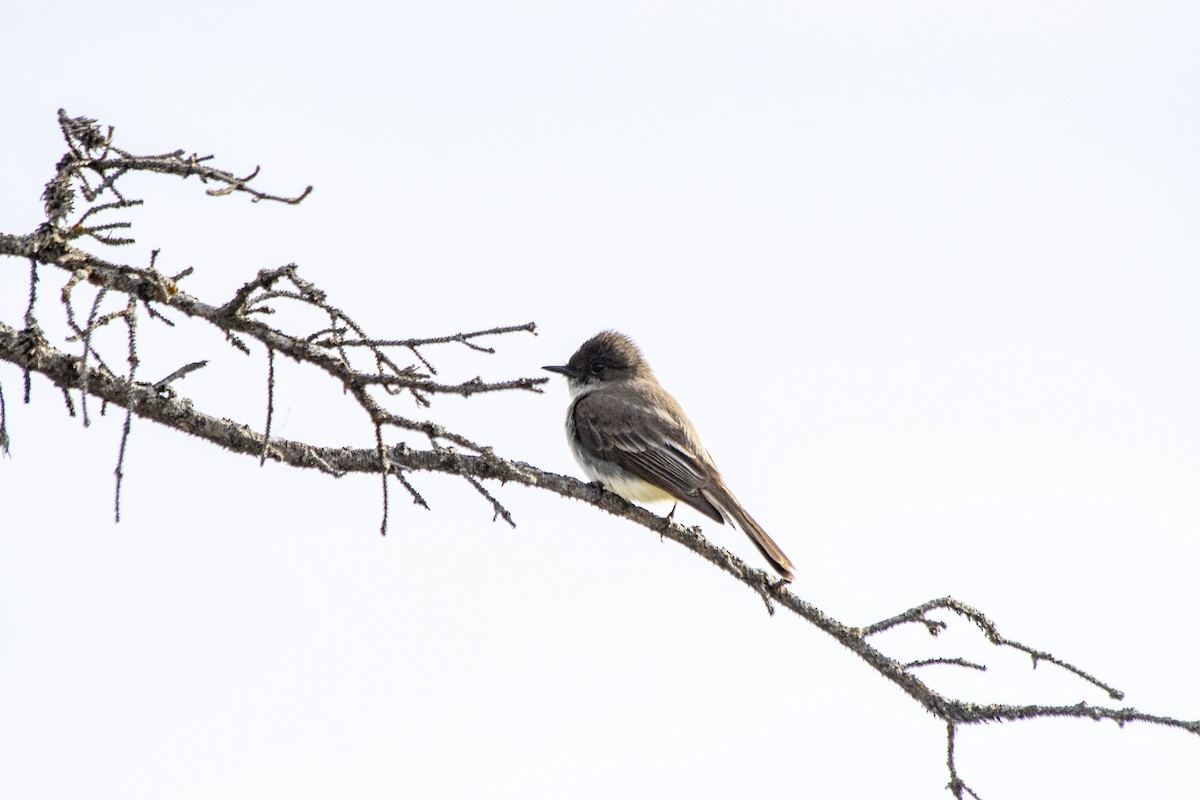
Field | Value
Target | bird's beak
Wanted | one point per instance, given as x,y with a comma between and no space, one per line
562,370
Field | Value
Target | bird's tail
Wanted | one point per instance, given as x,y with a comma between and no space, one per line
732,509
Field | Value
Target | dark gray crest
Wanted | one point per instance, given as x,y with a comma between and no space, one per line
607,356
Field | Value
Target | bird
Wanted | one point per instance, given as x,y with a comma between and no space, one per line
632,437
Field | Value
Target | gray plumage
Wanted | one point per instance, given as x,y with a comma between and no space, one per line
632,436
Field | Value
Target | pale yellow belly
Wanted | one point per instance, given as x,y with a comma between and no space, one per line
635,489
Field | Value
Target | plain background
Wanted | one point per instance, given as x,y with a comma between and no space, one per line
925,278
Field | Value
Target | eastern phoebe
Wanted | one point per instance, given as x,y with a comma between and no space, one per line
631,436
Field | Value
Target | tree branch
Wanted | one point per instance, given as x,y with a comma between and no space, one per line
92,169
67,371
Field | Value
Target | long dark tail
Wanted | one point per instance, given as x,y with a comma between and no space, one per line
731,508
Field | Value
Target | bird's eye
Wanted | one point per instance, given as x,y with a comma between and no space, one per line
598,368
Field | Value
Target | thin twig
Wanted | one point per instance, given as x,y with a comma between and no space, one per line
498,510
461,338
180,373
131,322
917,614
956,785
385,466
86,336
416,496
262,459
4,440
956,662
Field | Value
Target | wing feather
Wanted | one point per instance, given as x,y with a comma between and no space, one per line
648,442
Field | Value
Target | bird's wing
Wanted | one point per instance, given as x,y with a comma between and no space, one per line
647,443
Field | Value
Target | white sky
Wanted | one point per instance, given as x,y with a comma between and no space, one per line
925,279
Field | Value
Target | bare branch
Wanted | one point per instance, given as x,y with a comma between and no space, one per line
466,389
917,614
262,459
66,370
955,662
374,378
462,338
131,323
4,440
384,468
956,785
180,373
498,510
416,496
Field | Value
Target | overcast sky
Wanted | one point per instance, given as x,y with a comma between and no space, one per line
925,279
